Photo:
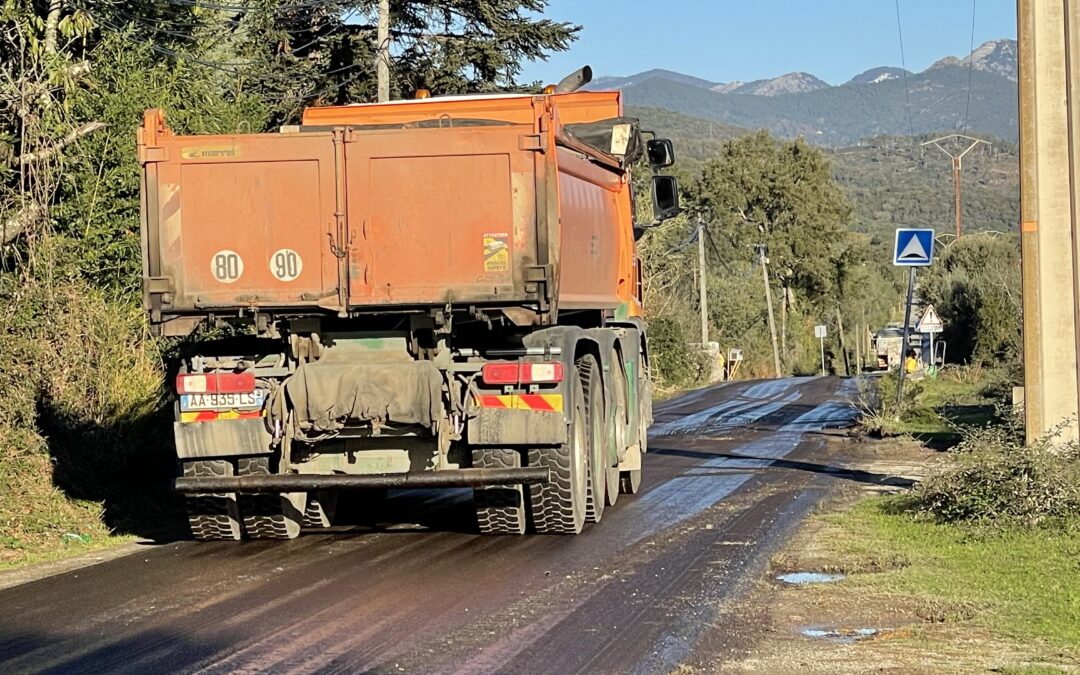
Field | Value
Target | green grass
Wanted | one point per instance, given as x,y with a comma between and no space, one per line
937,406
1023,584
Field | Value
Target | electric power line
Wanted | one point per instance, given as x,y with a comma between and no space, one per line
971,65
903,64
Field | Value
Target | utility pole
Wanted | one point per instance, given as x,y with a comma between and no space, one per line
768,302
1048,54
843,342
957,164
858,350
382,52
702,293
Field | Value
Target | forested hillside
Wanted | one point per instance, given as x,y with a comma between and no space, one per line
892,181
839,116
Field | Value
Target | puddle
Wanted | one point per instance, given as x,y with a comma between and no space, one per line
841,635
803,578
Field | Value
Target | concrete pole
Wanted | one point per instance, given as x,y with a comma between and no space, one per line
703,295
768,303
843,342
1048,62
382,52
858,350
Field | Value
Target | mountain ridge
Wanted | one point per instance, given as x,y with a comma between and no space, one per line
993,56
882,100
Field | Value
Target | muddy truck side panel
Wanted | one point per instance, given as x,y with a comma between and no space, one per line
424,293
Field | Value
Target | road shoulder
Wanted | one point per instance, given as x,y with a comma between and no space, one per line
17,576
858,624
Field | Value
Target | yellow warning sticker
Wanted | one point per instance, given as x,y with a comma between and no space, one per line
496,252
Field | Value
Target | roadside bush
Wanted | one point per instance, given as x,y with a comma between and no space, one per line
674,364
880,412
996,480
78,380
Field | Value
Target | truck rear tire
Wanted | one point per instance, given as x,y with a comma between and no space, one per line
272,515
212,517
558,506
596,437
500,509
321,509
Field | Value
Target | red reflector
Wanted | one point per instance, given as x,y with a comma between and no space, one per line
216,383
522,373
501,373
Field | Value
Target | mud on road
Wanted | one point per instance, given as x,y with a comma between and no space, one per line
730,473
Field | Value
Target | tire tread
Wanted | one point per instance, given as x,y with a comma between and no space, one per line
499,509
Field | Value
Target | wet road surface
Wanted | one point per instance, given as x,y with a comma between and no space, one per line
730,472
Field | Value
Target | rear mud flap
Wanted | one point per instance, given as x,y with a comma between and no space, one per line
495,426
221,438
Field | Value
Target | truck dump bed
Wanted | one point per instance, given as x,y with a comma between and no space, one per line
465,201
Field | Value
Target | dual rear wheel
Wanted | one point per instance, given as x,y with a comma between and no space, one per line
227,516
584,476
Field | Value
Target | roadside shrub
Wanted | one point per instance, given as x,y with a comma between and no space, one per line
880,412
674,364
996,480
78,378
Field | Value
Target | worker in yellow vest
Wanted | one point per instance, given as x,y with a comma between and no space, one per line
911,363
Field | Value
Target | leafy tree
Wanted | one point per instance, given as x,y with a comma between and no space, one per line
975,286
759,191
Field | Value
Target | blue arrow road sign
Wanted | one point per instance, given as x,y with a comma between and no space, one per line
914,247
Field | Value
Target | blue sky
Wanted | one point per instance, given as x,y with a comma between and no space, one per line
725,40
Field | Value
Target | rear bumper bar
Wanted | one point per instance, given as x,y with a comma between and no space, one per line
305,482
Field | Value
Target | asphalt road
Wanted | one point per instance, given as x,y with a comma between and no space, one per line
731,471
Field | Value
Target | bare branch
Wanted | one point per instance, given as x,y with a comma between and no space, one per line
59,145
20,223
52,26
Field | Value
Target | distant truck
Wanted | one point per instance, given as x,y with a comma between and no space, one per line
888,344
442,292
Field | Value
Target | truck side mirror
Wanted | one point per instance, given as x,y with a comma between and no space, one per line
665,191
661,153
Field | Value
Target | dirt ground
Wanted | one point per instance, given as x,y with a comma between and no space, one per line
909,636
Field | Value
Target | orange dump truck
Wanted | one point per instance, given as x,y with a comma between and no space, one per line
428,293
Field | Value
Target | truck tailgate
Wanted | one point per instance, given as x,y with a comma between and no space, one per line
440,215
240,220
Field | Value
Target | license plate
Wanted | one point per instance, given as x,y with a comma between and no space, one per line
254,400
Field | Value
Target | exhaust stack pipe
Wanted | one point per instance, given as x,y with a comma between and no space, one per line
574,81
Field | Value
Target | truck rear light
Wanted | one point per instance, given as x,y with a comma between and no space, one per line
216,383
522,373
541,372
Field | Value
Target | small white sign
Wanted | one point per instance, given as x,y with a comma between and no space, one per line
227,266
820,331
930,321
286,264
